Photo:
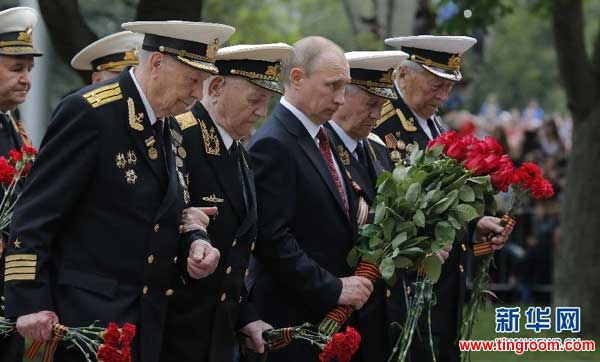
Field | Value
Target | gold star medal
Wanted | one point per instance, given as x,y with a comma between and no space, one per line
152,153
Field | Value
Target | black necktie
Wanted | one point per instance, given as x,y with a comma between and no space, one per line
4,121
362,155
432,129
236,156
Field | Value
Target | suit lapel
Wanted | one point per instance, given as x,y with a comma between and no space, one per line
220,162
139,126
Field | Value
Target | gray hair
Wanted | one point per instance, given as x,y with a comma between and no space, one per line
307,52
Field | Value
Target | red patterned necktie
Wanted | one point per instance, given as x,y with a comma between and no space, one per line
327,155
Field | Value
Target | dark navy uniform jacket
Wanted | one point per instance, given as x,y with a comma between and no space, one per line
94,235
204,314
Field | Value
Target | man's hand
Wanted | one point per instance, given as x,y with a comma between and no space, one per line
253,335
355,291
202,260
489,225
444,253
196,218
37,326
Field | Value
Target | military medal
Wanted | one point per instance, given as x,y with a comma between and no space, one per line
120,160
152,153
131,158
178,162
181,152
130,177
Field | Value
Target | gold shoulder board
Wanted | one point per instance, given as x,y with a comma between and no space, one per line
387,112
104,95
186,120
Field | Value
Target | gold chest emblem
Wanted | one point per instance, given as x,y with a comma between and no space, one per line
212,145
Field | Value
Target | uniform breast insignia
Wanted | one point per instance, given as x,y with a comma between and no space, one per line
131,177
212,145
152,152
17,243
135,120
178,162
344,155
131,158
392,143
104,95
176,137
186,120
181,152
407,124
212,198
120,160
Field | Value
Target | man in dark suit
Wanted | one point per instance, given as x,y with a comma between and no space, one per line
95,231
207,313
422,84
306,219
16,61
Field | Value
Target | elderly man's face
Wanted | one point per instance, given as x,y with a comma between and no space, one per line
322,91
176,88
240,104
15,80
424,92
361,112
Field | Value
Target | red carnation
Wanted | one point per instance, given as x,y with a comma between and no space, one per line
525,175
15,156
111,334
542,189
29,150
7,171
108,353
127,334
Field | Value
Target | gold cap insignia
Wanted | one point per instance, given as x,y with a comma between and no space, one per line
212,49
386,77
273,70
130,55
454,62
26,36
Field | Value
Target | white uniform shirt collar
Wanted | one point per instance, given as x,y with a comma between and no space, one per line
225,136
310,126
149,110
348,141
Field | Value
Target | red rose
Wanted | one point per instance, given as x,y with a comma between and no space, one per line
445,139
503,175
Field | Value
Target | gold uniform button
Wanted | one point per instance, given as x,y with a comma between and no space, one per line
247,272
228,270
150,259
175,260
388,293
462,268
252,246
223,297
407,290
145,290
156,228
169,292
463,246
234,243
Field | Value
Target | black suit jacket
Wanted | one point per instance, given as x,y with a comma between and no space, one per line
304,231
94,234
204,313
400,123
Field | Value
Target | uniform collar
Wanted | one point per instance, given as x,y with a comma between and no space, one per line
348,141
149,110
422,121
225,136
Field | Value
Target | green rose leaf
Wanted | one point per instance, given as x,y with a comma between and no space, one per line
466,212
399,239
433,267
353,257
419,218
379,213
403,262
413,192
444,232
387,268
466,194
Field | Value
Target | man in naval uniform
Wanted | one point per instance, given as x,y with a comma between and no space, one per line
95,231
206,314
16,61
108,56
422,84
